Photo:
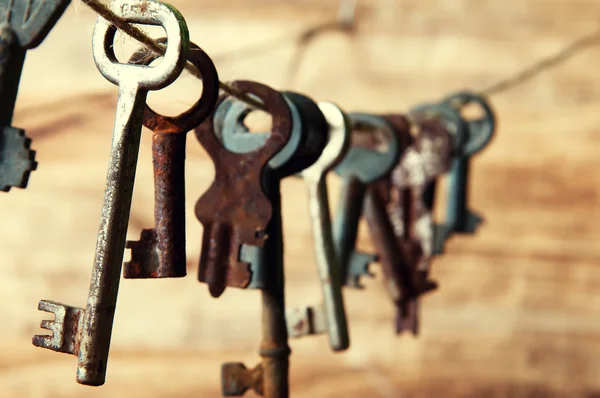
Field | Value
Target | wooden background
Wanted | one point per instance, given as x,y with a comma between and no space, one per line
517,312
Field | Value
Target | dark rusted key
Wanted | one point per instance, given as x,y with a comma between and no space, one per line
160,252
24,24
305,145
374,152
423,161
235,210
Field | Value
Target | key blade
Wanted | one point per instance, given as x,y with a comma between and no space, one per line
32,20
65,328
469,224
17,161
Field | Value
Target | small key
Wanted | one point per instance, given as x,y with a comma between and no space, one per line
426,159
479,133
305,145
360,167
86,333
160,252
24,24
330,316
236,210
457,128
472,137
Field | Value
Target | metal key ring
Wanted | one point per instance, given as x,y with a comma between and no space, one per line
481,130
450,118
191,118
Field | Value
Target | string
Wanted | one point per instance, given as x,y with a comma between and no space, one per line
498,87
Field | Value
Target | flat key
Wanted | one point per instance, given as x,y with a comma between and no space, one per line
361,166
160,252
305,145
235,210
479,133
456,126
426,159
330,316
24,24
87,332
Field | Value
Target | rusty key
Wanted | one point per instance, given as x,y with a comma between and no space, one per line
24,24
305,145
426,159
235,210
160,252
86,333
330,316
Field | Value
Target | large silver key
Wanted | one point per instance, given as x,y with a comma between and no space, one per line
330,315
86,333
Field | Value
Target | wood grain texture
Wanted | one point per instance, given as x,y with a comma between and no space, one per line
517,311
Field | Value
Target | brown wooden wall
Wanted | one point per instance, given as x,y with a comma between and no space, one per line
517,311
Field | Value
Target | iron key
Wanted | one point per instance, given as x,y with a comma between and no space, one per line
361,166
24,24
87,333
236,210
160,252
330,316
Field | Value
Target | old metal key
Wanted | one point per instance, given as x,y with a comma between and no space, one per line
235,210
24,25
479,133
160,252
456,126
423,161
360,167
330,316
305,145
86,333
471,137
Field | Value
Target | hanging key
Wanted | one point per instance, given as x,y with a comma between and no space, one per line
426,159
86,333
456,126
361,167
290,111
235,209
24,24
305,145
330,316
476,134
160,252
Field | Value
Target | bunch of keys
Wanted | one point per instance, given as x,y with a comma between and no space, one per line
22,27
86,332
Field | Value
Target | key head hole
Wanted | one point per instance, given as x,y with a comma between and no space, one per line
258,121
472,111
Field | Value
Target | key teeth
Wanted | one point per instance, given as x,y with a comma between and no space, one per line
236,379
472,222
22,159
358,266
144,260
65,328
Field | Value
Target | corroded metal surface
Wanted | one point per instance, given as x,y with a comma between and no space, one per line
160,252
235,209
93,332
425,160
